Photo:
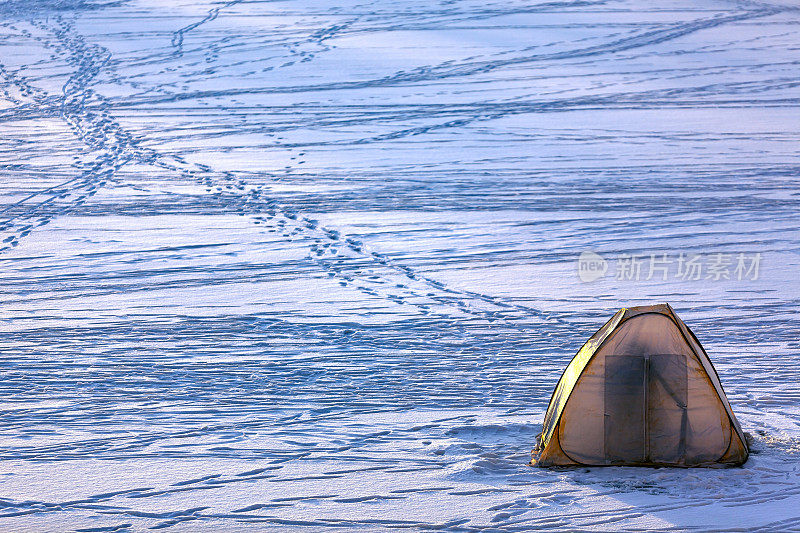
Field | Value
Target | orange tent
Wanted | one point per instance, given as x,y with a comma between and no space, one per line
642,392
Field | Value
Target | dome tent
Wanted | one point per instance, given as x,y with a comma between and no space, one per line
640,392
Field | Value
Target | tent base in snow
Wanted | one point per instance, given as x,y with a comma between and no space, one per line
640,392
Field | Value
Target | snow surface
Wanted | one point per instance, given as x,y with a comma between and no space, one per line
278,265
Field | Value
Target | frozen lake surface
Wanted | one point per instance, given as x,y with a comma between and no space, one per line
276,265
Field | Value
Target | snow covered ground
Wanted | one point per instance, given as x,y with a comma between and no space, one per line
279,265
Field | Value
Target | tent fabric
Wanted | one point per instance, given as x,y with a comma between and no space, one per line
641,391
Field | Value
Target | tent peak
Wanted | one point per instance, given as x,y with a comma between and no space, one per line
663,308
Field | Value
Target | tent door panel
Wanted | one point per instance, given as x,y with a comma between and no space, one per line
645,416
624,409
667,416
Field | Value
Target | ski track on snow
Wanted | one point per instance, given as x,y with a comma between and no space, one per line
278,265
